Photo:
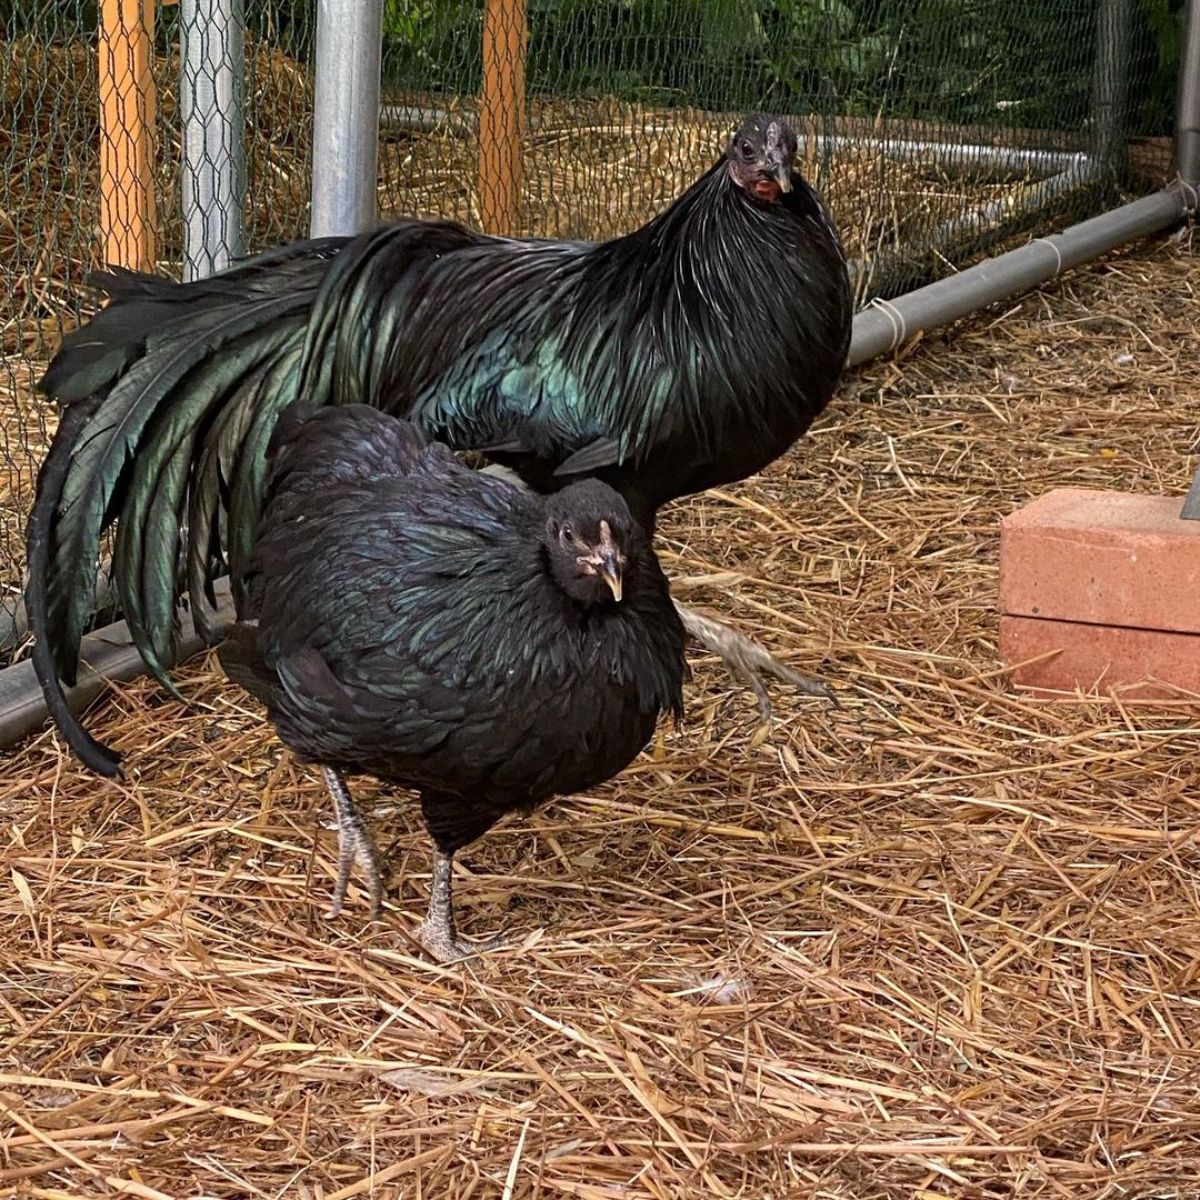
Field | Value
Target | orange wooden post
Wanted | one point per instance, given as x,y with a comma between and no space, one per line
127,116
502,115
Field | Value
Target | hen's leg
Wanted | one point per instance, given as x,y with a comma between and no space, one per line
746,659
437,933
354,845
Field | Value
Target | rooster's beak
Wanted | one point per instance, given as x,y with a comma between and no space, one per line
610,572
781,172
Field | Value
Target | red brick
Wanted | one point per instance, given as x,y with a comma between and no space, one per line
1101,657
1105,558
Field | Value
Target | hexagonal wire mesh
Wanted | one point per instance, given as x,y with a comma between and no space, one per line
936,128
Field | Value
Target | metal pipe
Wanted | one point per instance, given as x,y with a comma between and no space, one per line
211,86
1187,117
346,117
1191,504
107,654
885,325
957,156
1110,86
972,231
14,618
1187,159
952,156
14,625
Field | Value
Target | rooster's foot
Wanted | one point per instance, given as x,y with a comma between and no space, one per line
747,661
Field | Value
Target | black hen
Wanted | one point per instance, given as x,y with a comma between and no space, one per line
448,631
685,355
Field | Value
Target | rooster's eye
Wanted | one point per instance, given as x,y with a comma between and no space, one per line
565,533
747,150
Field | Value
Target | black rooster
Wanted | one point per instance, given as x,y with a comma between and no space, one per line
450,632
680,357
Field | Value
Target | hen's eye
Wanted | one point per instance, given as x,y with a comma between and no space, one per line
747,150
566,533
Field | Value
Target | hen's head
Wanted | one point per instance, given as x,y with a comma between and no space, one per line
589,532
760,157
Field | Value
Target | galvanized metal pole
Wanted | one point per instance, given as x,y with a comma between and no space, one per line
346,116
1187,117
1187,159
213,186
1110,87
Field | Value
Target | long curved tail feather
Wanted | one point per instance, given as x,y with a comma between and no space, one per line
158,390
51,477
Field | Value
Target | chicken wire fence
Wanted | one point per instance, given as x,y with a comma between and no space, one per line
935,128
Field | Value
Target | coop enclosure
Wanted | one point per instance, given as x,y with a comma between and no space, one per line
177,136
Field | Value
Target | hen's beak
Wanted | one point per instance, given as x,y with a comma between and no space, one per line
610,572
781,172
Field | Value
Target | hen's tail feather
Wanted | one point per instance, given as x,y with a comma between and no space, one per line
50,484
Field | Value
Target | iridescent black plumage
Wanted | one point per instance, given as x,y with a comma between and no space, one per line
406,616
688,354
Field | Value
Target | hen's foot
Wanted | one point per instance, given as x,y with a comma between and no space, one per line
354,845
437,933
447,946
748,662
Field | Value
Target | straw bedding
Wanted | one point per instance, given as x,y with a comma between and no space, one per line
940,942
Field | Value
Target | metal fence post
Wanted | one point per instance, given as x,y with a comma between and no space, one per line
211,85
346,116
502,115
1110,87
1187,116
127,114
1187,159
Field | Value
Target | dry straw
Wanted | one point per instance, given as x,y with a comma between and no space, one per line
942,942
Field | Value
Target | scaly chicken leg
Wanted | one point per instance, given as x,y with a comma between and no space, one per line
354,845
437,932
747,661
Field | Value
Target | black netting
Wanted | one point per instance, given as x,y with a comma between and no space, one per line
936,128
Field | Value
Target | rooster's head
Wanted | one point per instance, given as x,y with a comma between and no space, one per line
760,157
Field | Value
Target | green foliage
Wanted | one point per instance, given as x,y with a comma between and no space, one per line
50,19
1155,66
432,43
992,62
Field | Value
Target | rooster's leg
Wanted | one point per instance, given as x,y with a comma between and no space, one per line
354,845
437,932
747,660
